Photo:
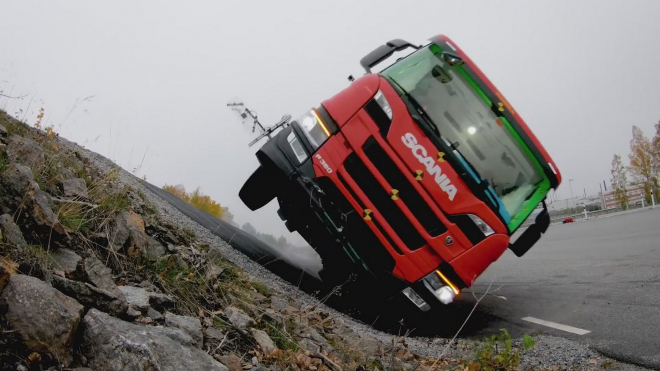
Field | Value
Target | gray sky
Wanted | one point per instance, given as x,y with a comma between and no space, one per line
581,73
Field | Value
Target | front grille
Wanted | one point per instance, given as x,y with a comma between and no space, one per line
383,202
410,197
380,227
362,239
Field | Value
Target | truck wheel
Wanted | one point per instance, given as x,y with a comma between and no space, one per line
257,191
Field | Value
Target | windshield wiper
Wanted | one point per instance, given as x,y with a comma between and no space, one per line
427,122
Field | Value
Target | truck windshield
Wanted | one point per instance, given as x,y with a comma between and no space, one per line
482,142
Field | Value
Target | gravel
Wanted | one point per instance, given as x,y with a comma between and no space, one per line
549,350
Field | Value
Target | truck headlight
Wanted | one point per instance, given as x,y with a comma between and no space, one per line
483,227
383,103
440,286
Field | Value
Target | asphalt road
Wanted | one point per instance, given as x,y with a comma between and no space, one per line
601,278
600,275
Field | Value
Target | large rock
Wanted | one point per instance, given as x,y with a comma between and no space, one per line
65,260
112,344
137,297
122,226
42,212
26,152
265,342
16,180
11,234
142,299
46,319
191,326
312,337
213,334
155,315
75,188
213,272
37,205
91,296
95,272
281,305
140,244
238,318
230,360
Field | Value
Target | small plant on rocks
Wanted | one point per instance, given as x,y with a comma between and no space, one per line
497,353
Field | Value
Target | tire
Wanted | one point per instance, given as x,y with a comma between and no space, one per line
257,191
281,215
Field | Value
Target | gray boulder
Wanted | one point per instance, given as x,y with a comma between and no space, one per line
238,318
231,360
141,244
155,315
16,181
65,260
281,305
212,333
213,272
46,319
42,211
26,152
311,336
191,326
142,299
136,297
122,226
10,232
95,272
265,342
112,344
91,296
75,188
37,205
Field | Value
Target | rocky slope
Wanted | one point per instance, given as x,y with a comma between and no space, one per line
98,273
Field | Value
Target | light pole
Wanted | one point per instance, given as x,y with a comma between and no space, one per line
572,200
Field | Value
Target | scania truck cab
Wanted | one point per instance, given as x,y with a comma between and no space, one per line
414,178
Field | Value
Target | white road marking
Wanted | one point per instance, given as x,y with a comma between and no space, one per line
558,326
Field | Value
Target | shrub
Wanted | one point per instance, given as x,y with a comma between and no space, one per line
198,199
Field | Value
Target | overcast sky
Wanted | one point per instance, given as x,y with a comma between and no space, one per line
580,73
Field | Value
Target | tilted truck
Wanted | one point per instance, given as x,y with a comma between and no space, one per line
413,178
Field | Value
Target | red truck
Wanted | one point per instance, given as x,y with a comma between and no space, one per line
413,178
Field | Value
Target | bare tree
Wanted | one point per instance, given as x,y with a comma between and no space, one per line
619,181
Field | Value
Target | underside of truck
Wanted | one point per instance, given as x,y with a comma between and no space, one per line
411,181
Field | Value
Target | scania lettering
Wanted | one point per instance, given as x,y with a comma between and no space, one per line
412,179
433,168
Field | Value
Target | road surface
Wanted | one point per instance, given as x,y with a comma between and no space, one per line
601,275
595,281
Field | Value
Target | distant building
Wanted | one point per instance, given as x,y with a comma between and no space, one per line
569,203
635,193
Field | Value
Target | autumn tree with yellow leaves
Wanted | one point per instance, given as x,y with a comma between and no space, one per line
619,182
644,162
198,199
